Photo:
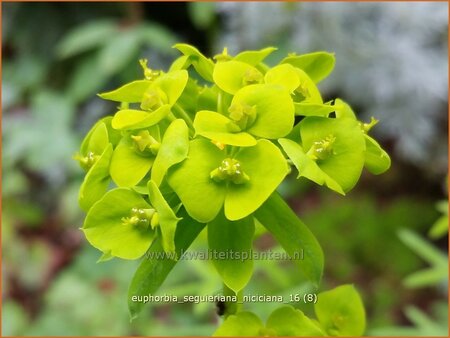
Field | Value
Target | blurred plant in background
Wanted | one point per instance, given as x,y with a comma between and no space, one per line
60,54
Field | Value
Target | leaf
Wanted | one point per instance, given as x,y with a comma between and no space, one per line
106,231
224,237
96,181
283,75
219,128
131,92
266,167
274,109
377,161
307,167
85,37
167,218
192,182
202,14
287,321
118,51
278,218
341,312
174,149
128,168
153,270
345,163
129,119
172,84
88,77
230,76
253,57
96,140
313,109
422,248
202,65
242,324
156,36
343,109
309,93
317,65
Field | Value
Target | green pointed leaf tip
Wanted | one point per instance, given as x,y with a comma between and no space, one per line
341,312
106,227
224,236
192,180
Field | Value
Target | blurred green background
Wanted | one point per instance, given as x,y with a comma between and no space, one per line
392,63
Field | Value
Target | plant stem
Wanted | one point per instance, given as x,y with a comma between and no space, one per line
185,116
232,307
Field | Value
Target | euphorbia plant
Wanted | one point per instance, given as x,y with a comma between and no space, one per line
206,144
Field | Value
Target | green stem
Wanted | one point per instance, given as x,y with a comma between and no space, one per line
185,116
232,307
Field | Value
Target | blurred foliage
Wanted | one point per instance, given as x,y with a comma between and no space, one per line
56,57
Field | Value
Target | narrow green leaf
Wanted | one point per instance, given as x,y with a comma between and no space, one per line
174,149
341,312
153,270
85,37
278,218
226,236
167,218
118,51
242,324
131,92
287,321
317,65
